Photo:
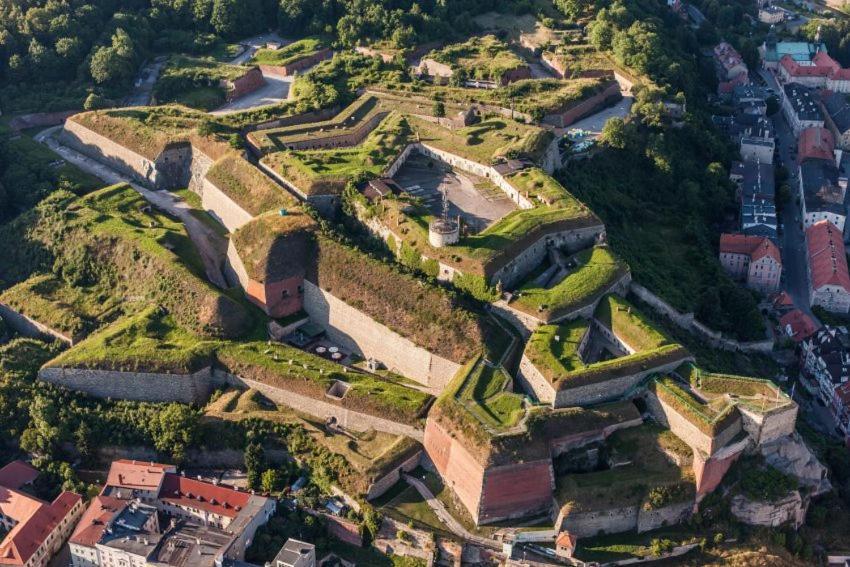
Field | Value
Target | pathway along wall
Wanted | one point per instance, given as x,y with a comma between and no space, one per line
197,387
355,331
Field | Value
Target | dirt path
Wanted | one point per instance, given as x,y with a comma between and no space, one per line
443,514
211,246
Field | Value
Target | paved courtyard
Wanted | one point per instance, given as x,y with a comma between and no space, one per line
477,201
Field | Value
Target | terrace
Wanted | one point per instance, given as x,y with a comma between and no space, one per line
288,53
639,473
561,287
618,342
481,58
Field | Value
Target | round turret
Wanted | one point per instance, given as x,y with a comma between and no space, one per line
443,232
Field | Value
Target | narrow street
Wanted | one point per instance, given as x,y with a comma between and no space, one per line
211,246
793,240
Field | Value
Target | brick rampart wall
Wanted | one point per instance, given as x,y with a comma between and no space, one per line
247,83
516,490
457,467
297,66
357,332
586,107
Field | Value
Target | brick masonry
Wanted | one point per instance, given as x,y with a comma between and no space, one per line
355,331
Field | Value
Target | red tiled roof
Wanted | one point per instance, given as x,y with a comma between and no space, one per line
782,299
566,539
822,66
221,500
37,523
97,516
142,475
802,326
842,392
756,247
827,262
16,474
815,143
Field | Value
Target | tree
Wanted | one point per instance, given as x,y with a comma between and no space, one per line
83,441
44,433
439,109
225,17
255,461
94,102
174,429
114,63
614,133
271,481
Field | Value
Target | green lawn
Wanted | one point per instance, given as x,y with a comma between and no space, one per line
485,58
597,269
484,394
288,53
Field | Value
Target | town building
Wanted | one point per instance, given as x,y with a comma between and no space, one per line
756,194
825,364
822,72
34,530
209,524
800,107
797,325
822,193
296,553
829,281
730,68
816,143
753,259
772,51
771,15
757,142
565,544
837,117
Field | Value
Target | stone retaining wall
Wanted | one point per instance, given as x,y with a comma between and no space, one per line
355,331
687,322
292,120
533,381
381,485
612,389
194,388
29,327
623,519
102,149
687,431
323,410
766,427
665,516
224,209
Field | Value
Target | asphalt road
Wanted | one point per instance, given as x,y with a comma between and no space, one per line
145,81
796,281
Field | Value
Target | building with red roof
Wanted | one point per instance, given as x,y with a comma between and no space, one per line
122,521
565,544
816,143
821,72
797,325
829,281
36,529
755,260
730,68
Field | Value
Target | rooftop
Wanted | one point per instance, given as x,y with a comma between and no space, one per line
753,246
815,143
291,552
16,474
136,475
821,189
803,102
838,108
827,259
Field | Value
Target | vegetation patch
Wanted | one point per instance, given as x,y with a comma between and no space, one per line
596,270
273,247
287,54
195,81
708,418
249,187
424,313
649,477
484,58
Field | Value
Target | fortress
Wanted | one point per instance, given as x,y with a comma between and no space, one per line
591,372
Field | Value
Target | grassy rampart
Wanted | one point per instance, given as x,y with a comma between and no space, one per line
287,54
247,186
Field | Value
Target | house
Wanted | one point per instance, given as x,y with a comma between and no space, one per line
207,521
730,68
754,178
753,259
822,193
797,325
815,143
800,107
756,192
837,117
840,409
378,188
822,72
744,94
34,530
757,141
829,282
758,217
295,553
565,544
825,361
771,15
